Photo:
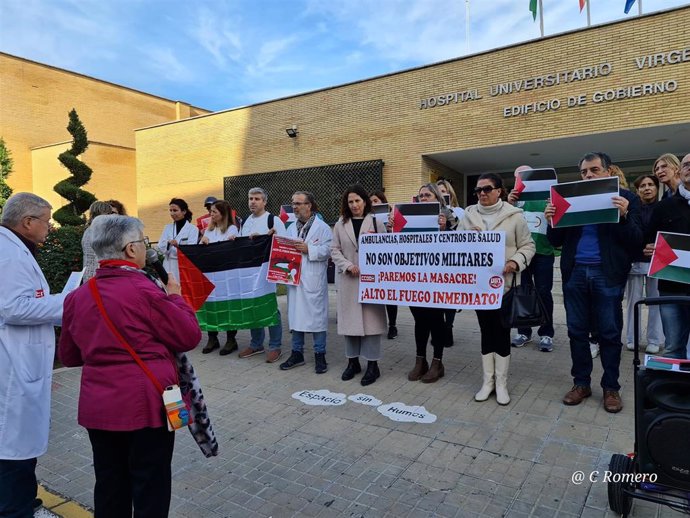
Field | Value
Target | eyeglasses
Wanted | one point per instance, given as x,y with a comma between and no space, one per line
47,222
146,242
486,189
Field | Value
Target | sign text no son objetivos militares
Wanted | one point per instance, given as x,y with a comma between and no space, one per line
461,270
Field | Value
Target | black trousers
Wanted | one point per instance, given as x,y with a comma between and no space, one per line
392,312
429,321
17,488
495,337
132,470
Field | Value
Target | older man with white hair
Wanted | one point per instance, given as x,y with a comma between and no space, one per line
28,313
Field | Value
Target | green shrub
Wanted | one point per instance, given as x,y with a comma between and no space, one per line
61,255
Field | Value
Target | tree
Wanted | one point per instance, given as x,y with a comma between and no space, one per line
6,164
69,188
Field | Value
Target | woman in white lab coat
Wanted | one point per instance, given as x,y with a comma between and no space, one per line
179,232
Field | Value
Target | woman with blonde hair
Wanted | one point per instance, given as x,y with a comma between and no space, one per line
97,208
221,228
667,170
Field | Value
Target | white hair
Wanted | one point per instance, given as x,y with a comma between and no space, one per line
21,205
111,233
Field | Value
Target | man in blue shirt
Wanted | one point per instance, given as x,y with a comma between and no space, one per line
595,262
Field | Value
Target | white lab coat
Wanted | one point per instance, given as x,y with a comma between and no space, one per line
189,235
308,302
27,346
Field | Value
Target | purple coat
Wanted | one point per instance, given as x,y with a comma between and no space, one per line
116,394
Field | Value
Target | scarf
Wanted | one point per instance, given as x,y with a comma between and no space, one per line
304,228
489,213
682,191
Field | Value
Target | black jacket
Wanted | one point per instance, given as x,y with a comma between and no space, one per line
670,215
618,243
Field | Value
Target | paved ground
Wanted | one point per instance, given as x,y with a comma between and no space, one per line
280,457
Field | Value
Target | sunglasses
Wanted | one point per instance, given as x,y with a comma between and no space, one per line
486,189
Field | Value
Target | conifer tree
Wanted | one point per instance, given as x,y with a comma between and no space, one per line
69,188
6,164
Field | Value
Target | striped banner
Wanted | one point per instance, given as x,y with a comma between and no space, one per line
671,259
240,297
535,184
416,217
586,202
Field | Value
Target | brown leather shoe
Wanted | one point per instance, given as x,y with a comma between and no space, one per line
435,372
273,356
612,401
576,395
420,368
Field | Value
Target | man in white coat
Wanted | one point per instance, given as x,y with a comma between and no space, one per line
28,313
308,302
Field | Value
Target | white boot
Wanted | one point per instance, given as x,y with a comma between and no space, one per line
488,386
502,363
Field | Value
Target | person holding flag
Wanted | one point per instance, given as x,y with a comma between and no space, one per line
179,232
673,215
261,222
540,270
595,261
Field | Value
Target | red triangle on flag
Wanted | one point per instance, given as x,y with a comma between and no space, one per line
284,217
561,205
582,4
663,256
195,285
399,220
519,185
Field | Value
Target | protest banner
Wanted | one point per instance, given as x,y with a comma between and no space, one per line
586,202
535,184
461,270
285,263
671,259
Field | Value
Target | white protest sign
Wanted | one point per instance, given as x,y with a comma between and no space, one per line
462,270
365,399
407,414
320,397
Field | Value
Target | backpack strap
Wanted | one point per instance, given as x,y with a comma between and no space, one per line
271,217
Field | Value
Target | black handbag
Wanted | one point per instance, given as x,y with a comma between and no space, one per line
522,306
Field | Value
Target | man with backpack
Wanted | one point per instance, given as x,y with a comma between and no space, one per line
261,222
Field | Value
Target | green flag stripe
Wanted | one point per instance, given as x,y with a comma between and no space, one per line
573,219
674,273
239,314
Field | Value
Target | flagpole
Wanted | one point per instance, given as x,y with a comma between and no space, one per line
467,26
541,18
639,7
589,19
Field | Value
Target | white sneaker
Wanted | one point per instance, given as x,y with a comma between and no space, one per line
594,349
652,348
630,347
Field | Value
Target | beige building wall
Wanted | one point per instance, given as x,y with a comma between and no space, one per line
35,100
114,178
381,118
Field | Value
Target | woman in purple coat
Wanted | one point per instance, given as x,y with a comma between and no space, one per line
119,404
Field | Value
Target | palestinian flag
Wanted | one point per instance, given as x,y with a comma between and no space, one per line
287,215
416,217
586,202
380,213
671,259
225,283
535,184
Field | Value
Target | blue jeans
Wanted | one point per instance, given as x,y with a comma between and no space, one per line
540,272
17,488
675,318
319,341
275,337
591,304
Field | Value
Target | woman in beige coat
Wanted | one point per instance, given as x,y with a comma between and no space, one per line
360,324
492,213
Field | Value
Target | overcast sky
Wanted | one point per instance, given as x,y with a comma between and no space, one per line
220,54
